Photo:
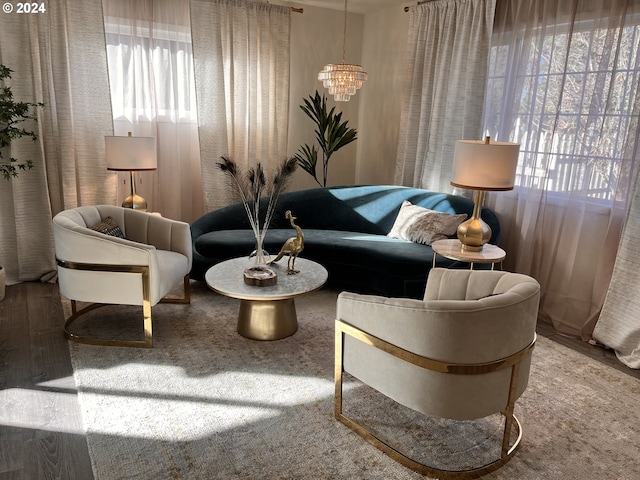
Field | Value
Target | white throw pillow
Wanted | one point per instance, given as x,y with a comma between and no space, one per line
421,225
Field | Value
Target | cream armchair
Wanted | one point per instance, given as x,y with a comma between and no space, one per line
140,269
462,353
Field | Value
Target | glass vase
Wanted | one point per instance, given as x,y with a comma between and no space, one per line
260,255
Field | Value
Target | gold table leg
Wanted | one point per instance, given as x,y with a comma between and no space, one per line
267,319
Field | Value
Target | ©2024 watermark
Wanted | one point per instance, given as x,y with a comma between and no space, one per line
24,7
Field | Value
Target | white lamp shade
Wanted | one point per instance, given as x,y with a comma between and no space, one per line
478,165
131,153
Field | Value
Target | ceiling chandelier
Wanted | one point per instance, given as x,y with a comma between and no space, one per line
343,79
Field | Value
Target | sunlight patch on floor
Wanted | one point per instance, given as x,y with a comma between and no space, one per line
182,407
38,409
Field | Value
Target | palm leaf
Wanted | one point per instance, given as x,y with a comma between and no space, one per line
331,134
307,158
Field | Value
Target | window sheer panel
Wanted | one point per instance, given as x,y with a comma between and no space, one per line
618,326
563,80
241,52
577,118
619,323
57,58
152,82
446,72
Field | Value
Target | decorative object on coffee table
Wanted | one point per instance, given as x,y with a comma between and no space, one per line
260,276
251,187
292,246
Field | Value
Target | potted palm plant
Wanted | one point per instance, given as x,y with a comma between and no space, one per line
331,134
12,117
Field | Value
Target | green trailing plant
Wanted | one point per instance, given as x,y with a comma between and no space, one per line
12,115
331,134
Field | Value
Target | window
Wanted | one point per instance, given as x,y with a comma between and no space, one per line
151,72
571,108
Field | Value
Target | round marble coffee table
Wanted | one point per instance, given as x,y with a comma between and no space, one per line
266,313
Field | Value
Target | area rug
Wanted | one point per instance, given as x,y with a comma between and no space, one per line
207,403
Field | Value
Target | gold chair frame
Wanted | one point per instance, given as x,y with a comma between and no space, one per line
513,362
143,270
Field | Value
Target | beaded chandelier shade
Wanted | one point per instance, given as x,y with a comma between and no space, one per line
343,79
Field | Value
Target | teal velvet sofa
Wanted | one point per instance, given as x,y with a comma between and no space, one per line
345,230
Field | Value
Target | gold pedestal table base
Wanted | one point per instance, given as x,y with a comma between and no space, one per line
266,313
267,319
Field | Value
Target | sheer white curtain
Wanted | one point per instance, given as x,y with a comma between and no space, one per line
619,323
153,94
448,51
563,83
241,51
58,58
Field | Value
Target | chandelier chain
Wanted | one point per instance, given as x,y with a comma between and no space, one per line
342,80
344,35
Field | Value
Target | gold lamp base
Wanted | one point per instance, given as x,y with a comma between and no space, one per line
474,232
136,202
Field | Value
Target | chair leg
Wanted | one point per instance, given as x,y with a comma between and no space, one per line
508,414
422,468
146,312
510,422
339,341
187,293
147,323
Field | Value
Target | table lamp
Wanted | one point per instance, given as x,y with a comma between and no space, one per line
131,154
482,166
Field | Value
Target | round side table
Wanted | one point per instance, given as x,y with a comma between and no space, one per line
452,249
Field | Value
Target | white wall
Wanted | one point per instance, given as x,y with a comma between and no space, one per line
316,39
377,41
383,56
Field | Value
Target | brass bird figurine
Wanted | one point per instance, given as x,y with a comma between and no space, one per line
293,246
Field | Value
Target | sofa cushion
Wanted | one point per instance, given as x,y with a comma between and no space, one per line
422,225
377,252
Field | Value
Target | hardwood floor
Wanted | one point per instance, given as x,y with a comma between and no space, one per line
41,434
599,353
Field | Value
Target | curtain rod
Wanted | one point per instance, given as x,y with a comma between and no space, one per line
294,9
406,9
